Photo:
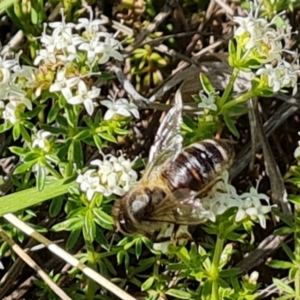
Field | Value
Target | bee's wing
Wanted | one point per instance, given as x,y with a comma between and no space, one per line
168,141
183,209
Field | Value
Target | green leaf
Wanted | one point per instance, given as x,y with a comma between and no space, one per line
283,231
97,141
230,272
108,137
34,16
73,238
147,284
287,220
206,85
5,126
55,206
78,155
31,156
283,286
52,115
23,167
288,251
104,217
4,4
231,49
71,224
138,248
230,124
16,131
40,177
294,199
101,239
121,131
18,150
29,197
83,134
178,294
280,264
89,228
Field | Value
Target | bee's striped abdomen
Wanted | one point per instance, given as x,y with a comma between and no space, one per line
199,164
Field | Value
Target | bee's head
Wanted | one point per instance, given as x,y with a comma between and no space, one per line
133,213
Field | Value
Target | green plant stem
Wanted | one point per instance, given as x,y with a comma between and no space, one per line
297,251
215,267
243,98
229,87
91,285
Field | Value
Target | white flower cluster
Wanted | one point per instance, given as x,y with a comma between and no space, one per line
13,97
262,41
119,107
71,43
62,46
224,196
114,175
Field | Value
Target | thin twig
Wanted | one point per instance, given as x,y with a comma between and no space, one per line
105,283
279,193
30,262
273,289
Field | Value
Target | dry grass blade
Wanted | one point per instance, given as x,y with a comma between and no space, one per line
279,194
264,249
244,157
272,289
30,262
105,283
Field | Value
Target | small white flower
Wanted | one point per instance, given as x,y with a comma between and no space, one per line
1,266
224,196
42,140
62,29
46,57
119,107
108,48
92,49
89,183
91,26
259,37
64,85
6,66
11,112
16,94
207,101
253,277
85,97
113,176
279,77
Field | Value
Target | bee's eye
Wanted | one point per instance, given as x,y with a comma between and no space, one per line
139,203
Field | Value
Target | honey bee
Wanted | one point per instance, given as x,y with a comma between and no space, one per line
174,178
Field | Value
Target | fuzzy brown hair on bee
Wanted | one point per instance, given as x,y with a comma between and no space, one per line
168,192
